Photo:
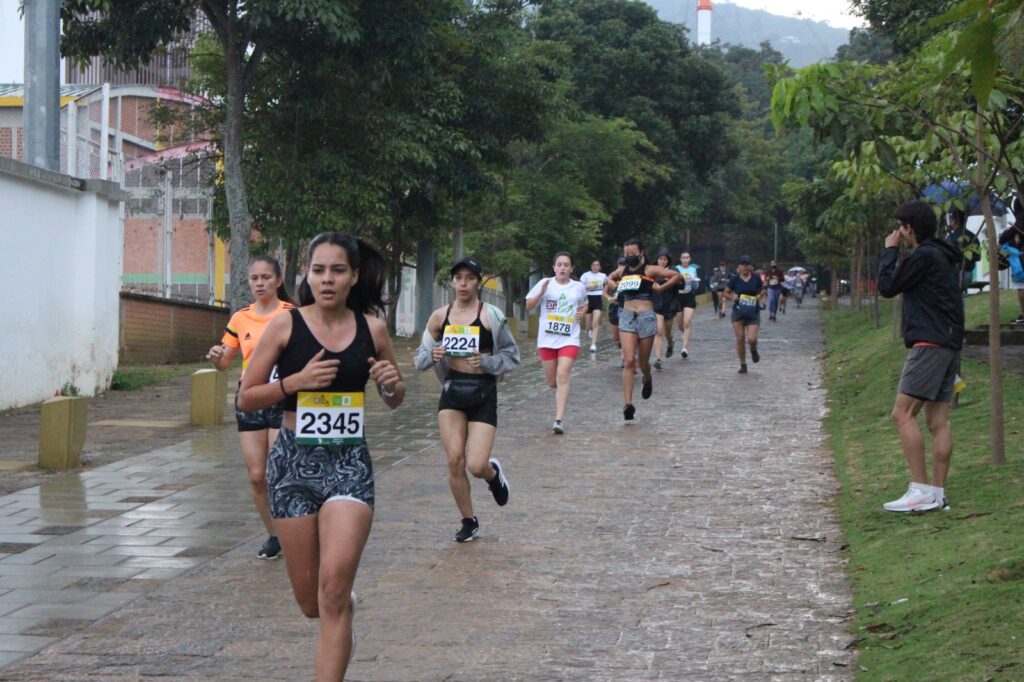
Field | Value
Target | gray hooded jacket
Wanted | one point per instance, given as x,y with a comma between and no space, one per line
503,360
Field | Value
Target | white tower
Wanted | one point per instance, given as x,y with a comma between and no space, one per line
704,22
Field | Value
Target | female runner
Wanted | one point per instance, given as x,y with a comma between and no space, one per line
319,472
637,321
593,282
257,430
665,308
563,302
747,291
687,298
469,345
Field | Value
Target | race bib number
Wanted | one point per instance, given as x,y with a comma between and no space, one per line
560,325
594,285
273,374
328,418
747,299
460,341
773,282
629,283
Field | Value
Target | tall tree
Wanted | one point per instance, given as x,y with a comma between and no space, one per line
127,33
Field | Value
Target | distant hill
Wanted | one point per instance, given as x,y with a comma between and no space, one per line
802,41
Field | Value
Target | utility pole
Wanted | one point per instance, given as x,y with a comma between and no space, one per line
42,84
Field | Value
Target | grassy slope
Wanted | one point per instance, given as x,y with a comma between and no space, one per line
961,571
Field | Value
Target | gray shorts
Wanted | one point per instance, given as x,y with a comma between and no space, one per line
644,323
302,478
929,373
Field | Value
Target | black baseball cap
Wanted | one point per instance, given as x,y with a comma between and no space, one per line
745,260
471,264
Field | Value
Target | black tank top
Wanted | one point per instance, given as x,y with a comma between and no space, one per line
353,371
643,292
486,337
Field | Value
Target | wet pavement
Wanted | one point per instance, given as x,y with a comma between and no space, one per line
697,544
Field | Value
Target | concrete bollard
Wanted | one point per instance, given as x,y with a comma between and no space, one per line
533,328
208,398
62,432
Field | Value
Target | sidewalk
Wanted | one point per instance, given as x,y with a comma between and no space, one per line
699,543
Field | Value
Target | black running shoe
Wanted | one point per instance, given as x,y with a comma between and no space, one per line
1019,320
628,412
271,549
743,369
470,527
499,484
668,350
648,388
754,355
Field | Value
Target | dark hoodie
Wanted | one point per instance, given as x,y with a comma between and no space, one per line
933,309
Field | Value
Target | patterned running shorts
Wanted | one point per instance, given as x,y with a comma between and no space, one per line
302,478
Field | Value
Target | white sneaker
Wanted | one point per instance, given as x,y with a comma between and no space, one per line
593,348
684,354
557,427
914,500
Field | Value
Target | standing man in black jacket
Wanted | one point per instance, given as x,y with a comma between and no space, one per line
933,330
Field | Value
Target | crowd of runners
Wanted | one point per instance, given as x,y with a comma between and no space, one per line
306,366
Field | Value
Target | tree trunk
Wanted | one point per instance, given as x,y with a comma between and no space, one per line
291,268
506,287
424,282
394,277
234,181
855,259
995,350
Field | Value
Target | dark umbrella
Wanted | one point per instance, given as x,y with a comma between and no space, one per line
946,191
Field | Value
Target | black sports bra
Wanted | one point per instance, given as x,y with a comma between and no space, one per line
635,285
486,336
353,371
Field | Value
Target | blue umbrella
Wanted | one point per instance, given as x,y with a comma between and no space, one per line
946,191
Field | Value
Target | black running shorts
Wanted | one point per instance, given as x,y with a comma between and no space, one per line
929,373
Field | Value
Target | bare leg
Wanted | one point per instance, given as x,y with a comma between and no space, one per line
659,338
904,414
937,417
646,345
563,375
595,326
255,446
741,343
549,372
629,344
752,330
479,444
686,324
453,427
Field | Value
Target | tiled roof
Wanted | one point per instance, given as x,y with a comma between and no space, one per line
18,90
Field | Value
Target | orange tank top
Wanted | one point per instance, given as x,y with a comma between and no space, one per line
245,328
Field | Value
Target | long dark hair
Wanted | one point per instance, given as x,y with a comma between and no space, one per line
282,292
367,294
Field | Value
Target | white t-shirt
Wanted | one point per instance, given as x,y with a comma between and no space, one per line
558,326
690,280
593,282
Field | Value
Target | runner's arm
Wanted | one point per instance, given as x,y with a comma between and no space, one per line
672,276
429,342
384,368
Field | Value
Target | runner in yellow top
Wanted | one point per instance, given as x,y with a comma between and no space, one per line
257,430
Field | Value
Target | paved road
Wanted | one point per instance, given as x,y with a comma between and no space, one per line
697,544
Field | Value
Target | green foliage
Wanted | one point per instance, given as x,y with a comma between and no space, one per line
69,389
960,571
135,378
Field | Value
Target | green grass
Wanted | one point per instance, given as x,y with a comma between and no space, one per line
134,378
961,572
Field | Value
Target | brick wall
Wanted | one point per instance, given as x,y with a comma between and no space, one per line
7,142
157,331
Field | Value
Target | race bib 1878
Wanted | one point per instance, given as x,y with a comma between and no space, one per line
747,299
328,418
559,324
460,341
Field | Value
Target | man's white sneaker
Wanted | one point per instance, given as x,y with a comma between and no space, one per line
593,348
914,500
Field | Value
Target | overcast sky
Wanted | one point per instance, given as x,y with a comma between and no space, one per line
12,31
835,12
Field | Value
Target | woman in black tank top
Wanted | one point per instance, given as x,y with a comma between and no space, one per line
458,337
319,473
638,323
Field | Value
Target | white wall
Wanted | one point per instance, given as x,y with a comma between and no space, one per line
61,241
